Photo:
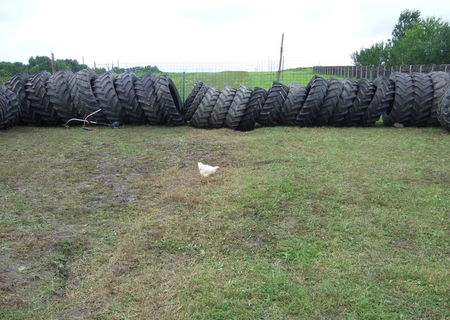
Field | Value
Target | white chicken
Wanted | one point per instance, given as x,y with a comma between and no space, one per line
206,171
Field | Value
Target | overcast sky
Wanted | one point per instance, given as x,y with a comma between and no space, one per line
192,31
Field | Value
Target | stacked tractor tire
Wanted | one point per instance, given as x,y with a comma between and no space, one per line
46,99
415,99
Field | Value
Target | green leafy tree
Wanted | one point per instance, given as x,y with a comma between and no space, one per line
377,54
425,42
406,20
414,41
39,63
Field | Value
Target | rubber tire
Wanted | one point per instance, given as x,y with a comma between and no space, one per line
403,100
237,107
255,104
441,82
198,85
9,108
196,102
221,108
345,102
125,88
330,102
58,91
309,113
83,95
107,98
293,103
169,101
200,119
41,111
146,93
423,99
381,101
366,91
443,111
269,115
17,85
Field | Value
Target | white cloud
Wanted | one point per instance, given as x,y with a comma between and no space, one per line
152,32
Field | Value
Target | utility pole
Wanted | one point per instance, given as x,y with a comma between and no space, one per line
53,63
281,57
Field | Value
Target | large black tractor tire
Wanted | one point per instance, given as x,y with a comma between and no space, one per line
317,91
292,105
169,101
9,108
270,112
345,102
17,85
443,110
221,108
330,102
107,98
366,91
196,102
403,100
237,107
146,93
441,82
423,99
253,109
202,115
41,111
81,88
381,101
59,93
125,88
198,85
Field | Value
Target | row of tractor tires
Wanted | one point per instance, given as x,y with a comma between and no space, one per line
415,99
53,99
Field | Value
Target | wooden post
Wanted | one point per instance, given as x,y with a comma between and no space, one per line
281,57
95,66
53,63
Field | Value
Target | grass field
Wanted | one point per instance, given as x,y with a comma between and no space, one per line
312,223
234,79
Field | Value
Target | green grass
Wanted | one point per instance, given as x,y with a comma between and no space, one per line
301,223
236,78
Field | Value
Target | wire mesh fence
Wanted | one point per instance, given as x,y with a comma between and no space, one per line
220,75
371,72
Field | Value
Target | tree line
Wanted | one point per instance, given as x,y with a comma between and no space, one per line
44,63
415,40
